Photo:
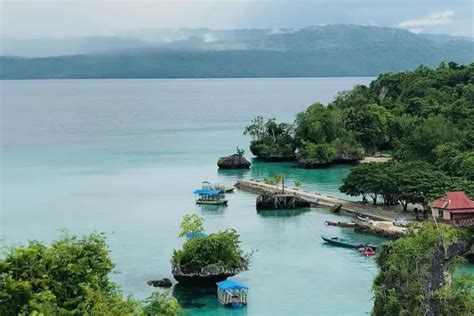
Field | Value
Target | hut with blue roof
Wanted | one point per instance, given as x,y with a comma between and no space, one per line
232,293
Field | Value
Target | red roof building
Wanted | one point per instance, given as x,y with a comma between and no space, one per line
455,208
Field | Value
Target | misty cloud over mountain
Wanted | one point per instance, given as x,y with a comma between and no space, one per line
333,50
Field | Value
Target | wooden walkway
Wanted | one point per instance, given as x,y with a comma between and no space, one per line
378,213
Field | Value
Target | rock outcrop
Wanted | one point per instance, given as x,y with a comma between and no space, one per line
165,282
208,275
234,161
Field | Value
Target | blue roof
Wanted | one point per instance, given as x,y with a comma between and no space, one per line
207,192
230,284
190,235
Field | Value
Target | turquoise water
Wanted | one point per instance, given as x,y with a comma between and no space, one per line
123,156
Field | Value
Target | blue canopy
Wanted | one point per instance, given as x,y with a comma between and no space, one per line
190,235
230,284
207,192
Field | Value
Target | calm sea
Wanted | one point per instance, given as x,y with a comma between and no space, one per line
123,157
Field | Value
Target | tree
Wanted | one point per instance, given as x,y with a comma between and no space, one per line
276,180
240,151
405,183
297,183
433,131
413,274
370,125
317,153
219,249
271,140
446,155
191,223
70,277
161,304
465,163
257,129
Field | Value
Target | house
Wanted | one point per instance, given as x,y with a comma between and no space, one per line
454,208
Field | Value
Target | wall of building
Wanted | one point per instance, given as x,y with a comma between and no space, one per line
446,215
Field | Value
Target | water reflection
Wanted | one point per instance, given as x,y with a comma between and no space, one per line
234,174
203,301
212,209
282,213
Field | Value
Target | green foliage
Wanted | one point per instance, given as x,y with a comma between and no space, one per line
161,304
297,183
428,116
70,277
240,151
369,124
409,275
424,115
276,179
432,132
220,249
270,139
404,183
319,153
191,223
322,137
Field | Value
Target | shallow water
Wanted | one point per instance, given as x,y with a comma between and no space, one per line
123,156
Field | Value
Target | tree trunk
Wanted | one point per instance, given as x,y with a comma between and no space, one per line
404,204
373,196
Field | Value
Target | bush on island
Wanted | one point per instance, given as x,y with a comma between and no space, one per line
207,256
271,140
69,277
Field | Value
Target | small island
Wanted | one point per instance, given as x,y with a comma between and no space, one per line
235,161
207,259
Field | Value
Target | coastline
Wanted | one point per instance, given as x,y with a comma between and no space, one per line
379,213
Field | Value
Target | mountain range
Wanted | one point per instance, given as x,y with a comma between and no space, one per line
332,50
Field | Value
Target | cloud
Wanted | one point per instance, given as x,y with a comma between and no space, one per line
436,18
416,31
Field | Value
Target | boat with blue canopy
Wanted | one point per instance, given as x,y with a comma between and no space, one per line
232,293
218,186
210,197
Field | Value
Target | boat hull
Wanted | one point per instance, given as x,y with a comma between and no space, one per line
212,202
340,224
348,243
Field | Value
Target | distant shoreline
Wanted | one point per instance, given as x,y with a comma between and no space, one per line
188,78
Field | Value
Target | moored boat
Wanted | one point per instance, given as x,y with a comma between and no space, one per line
343,242
363,218
367,251
210,197
340,224
217,186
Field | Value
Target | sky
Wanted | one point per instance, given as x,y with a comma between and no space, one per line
66,18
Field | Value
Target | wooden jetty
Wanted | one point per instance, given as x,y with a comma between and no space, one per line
277,201
320,200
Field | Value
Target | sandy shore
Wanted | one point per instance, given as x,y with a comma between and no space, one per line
375,159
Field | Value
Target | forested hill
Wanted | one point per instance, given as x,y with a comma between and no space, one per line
424,119
335,50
